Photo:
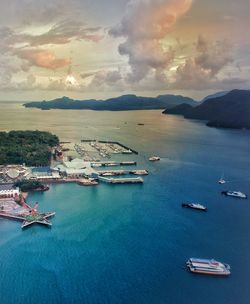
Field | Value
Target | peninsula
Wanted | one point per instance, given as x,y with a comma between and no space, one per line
231,110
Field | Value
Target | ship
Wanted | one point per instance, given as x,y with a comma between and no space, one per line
236,194
196,206
154,158
208,267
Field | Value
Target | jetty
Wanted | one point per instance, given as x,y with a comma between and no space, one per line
129,180
122,172
110,142
29,219
113,164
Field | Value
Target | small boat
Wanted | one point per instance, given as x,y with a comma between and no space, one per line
236,194
127,152
222,180
107,174
208,266
194,206
87,182
154,158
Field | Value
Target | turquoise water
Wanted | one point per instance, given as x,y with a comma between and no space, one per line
129,243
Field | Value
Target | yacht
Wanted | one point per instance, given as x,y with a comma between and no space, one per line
154,158
208,266
194,206
237,194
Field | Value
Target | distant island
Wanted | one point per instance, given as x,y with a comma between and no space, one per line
122,103
34,148
228,110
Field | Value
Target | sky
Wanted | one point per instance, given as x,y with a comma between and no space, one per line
98,49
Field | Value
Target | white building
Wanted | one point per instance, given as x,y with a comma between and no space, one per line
76,168
8,191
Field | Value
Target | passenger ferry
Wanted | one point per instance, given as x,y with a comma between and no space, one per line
208,266
194,206
236,194
154,158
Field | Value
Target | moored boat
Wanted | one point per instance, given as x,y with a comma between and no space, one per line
196,206
208,267
236,194
154,158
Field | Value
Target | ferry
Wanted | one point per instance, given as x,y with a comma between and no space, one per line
154,158
236,194
194,206
208,266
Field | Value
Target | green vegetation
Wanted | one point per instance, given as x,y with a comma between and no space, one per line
30,147
29,185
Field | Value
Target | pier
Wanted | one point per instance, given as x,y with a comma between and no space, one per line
129,180
122,172
110,142
29,219
113,164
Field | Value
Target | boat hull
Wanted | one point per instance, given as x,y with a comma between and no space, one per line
225,274
186,205
227,193
208,267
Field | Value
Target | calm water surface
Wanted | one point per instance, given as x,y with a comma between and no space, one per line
129,243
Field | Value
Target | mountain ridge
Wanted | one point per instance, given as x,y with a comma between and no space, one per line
121,103
231,110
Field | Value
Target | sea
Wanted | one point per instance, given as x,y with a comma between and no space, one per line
130,243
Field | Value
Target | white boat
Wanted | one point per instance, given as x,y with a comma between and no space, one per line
222,180
208,266
154,158
107,174
236,194
194,206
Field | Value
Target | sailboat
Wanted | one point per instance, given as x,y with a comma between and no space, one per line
222,180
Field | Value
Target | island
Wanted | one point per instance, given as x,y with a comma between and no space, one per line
122,103
229,110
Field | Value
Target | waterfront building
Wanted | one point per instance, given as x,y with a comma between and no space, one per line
8,190
76,168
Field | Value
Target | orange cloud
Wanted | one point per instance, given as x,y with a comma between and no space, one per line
144,26
43,58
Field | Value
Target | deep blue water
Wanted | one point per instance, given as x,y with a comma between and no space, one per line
129,243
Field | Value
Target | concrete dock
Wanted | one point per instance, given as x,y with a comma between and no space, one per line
129,180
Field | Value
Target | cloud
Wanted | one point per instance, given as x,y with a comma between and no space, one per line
144,26
62,33
28,12
105,78
213,56
42,58
203,69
